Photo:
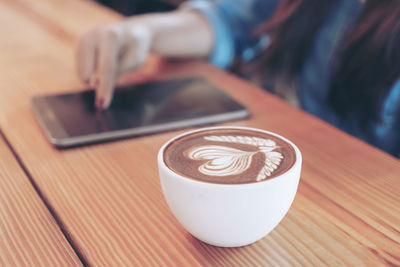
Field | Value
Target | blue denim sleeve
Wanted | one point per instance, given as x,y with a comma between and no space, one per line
386,132
233,22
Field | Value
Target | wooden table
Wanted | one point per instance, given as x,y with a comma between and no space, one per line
102,205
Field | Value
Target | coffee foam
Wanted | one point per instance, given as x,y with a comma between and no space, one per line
229,156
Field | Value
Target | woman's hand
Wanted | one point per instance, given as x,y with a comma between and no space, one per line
105,53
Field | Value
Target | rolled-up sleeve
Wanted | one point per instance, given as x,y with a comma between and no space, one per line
233,22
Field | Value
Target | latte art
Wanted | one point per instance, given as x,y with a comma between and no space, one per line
223,161
229,156
226,161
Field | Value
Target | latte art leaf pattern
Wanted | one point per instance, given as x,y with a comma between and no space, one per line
225,161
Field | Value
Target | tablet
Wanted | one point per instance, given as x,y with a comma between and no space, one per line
71,119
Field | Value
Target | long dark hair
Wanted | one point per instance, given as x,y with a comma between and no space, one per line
369,61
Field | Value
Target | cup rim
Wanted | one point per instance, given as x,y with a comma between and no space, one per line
162,164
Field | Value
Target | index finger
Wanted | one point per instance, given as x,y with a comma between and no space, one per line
85,56
107,67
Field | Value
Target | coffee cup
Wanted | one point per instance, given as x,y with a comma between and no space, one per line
229,186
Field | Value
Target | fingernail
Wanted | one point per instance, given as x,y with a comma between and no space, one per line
100,103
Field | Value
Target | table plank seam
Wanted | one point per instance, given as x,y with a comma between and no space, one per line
45,202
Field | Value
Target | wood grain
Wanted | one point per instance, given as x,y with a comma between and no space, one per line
29,235
108,196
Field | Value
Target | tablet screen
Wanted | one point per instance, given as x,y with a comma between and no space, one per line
146,104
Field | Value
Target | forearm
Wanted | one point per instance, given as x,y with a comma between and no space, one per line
182,33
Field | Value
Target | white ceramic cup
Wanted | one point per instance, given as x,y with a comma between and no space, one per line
229,215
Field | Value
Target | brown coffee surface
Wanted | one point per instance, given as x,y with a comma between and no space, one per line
229,156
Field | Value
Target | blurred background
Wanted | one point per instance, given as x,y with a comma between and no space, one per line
134,7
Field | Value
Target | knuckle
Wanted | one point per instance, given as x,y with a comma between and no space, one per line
111,32
86,42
